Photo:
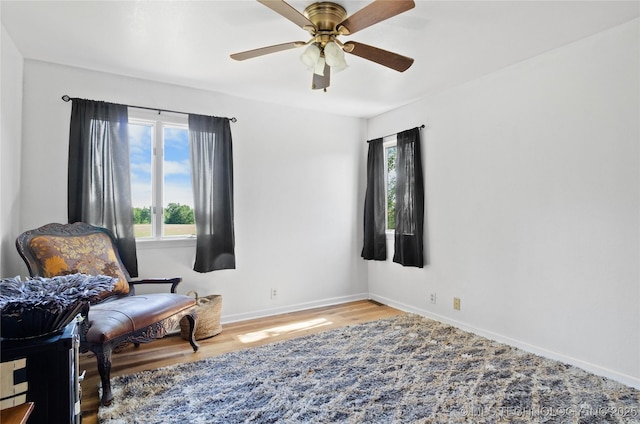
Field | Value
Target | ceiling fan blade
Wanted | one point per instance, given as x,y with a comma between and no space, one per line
286,10
383,57
249,54
321,81
373,13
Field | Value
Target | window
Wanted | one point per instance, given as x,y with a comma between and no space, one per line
390,153
161,191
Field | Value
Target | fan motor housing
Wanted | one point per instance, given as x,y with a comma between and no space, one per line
325,15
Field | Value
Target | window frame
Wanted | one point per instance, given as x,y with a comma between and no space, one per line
159,121
387,142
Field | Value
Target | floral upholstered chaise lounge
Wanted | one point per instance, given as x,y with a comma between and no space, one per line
119,316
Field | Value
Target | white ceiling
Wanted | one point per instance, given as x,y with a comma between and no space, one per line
189,42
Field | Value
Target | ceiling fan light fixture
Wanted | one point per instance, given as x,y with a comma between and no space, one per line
326,21
334,56
319,66
310,56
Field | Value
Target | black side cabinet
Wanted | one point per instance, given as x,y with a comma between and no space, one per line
52,374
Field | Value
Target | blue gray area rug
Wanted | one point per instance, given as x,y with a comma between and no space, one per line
405,369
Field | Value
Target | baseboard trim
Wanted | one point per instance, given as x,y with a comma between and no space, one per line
227,319
587,366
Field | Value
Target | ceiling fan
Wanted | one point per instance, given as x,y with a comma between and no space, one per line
326,21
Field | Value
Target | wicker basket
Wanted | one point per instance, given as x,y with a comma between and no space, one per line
208,309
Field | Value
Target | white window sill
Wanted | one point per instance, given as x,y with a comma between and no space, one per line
165,243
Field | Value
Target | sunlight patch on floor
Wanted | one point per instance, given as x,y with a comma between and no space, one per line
289,328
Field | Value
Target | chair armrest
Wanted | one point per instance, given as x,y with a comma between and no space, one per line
173,281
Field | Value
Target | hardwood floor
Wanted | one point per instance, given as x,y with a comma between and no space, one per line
238,335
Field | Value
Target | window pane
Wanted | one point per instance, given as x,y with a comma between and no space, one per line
178,195
391,187
140,153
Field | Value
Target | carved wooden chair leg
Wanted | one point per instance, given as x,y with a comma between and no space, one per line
192,319
104,368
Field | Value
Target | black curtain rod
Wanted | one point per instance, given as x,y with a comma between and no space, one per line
389,135
67,98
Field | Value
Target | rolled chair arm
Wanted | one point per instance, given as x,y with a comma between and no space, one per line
173,281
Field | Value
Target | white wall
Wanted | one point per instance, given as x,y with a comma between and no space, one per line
297,187
532,213
10,135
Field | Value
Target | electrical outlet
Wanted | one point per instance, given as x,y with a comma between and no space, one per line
432,298
456,303
274,293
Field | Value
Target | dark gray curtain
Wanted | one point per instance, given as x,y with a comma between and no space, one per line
409,217
212,178
375,242
99,187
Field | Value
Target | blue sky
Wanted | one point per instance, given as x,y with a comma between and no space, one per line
177,183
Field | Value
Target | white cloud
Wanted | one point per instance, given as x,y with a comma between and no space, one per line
140,168
139,139
140,194
182,167
178,193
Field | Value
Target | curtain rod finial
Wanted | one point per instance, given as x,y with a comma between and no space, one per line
66,98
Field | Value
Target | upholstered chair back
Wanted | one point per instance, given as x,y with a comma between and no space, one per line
57,249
